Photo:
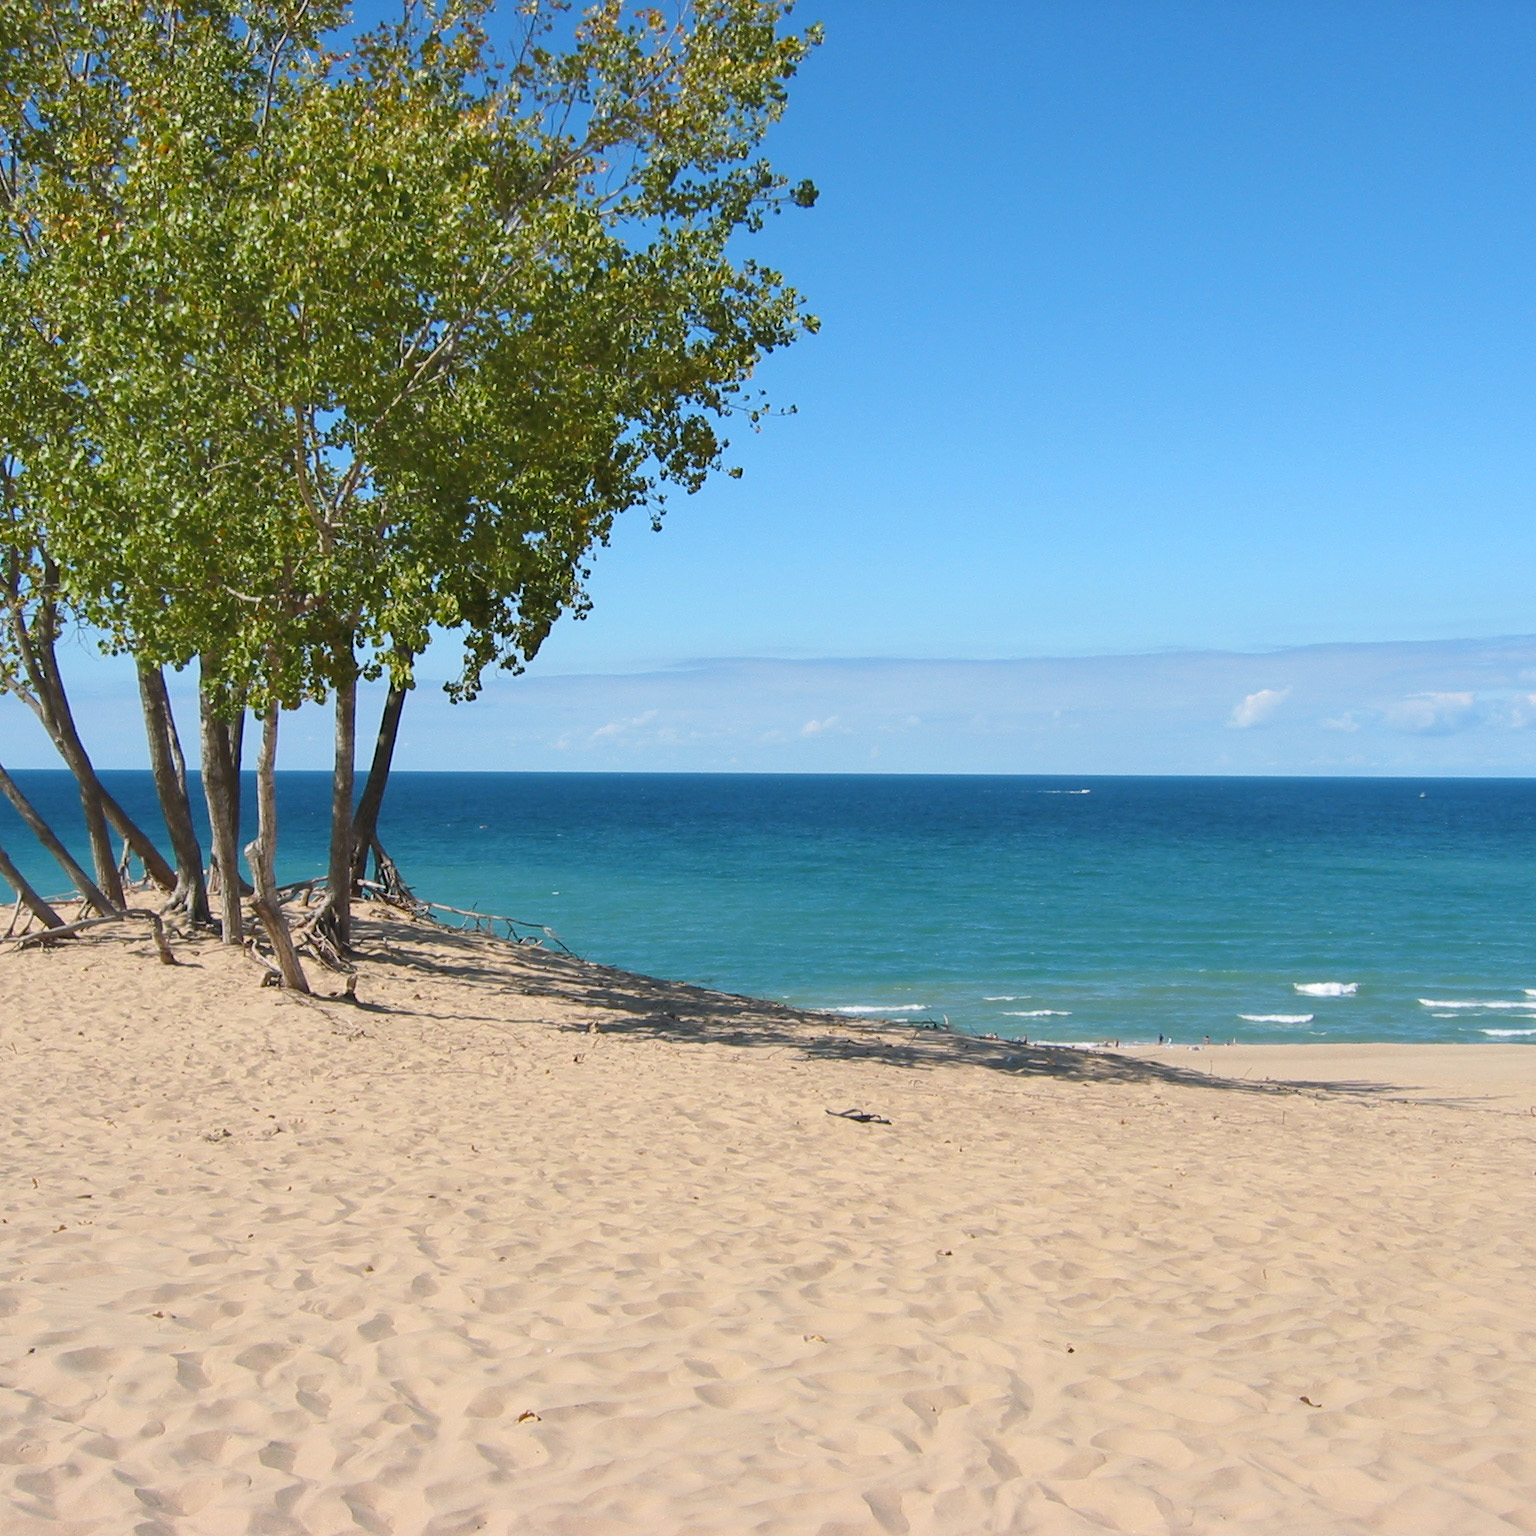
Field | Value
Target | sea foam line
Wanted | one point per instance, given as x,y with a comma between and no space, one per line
1326,988
1430,1002
1277,1018
892,1008
1037,1013
1500,1033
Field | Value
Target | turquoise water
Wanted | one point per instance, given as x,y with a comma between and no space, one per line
1057,909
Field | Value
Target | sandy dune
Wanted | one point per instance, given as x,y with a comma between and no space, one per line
519,1245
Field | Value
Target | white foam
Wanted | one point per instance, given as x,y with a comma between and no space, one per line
892,1008
1326,988
1020,998
1530,991
1500,1033
1037,1013
1277,1018
1430,1002
1064,791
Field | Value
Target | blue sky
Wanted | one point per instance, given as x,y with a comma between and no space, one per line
1201,327
1145,325
1414,707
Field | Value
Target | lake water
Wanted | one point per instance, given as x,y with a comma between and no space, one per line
1057,909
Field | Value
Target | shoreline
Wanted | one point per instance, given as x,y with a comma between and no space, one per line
1491,1074
523,1245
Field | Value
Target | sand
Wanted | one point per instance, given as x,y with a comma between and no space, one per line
520,1245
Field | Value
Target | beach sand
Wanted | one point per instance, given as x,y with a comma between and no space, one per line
521,1245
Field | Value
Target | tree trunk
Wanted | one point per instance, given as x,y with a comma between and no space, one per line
339,874
50,703
261,856
221,790
89,890
108,876
170,772
26,895
46,698
365,825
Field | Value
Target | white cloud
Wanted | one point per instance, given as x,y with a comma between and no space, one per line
620,727
1256,708
1433,714
819,727
1348,721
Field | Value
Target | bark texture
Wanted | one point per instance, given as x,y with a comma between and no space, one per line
29,898
221,791
261,855
170,771
47,699
365,824
339,872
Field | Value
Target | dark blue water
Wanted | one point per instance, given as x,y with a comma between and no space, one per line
1059,909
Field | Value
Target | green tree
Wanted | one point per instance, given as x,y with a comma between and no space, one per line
358,341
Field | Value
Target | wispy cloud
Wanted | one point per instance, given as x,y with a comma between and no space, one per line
1421,707
619,727
1256,708
1433,714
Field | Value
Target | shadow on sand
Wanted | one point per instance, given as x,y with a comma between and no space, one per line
624,1003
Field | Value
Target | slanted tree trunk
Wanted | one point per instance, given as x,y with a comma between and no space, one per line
170,770
261,856
221,791
92,808
365,825
50,703
29,898
339,872
92,893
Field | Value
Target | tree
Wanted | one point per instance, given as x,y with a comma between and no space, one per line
344,344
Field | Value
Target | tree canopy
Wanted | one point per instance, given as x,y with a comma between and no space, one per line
321,340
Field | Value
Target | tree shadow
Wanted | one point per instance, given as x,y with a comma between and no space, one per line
624,1003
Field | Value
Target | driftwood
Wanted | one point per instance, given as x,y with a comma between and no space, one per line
316,933
66,930
478,922
321,936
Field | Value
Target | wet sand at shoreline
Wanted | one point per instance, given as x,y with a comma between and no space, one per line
517,1244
